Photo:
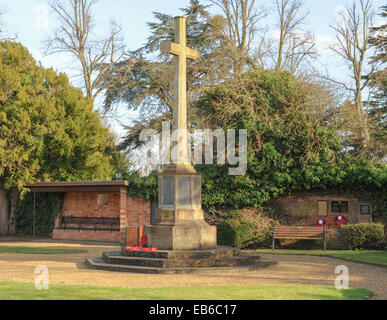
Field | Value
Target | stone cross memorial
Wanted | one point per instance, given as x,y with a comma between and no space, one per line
179,223
185,242
181,53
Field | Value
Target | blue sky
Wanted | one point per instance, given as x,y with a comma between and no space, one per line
28,20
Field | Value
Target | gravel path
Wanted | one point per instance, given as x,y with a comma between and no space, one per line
291,269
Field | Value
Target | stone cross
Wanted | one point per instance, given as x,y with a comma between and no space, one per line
181,53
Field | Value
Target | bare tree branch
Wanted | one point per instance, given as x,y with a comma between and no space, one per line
352,27
242,24
75,36
294,45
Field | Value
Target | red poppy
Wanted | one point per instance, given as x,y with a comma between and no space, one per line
321,221
143,240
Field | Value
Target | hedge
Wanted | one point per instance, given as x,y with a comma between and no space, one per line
48,206
247,228
369,236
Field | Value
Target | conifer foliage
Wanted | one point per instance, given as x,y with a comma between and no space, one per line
48,130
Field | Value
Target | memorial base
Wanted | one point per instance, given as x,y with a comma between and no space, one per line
211,261
193,236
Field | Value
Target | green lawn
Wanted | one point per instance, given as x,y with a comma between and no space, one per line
371,256
39,250
27,291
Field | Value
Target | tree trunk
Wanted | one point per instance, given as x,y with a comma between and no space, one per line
4,206
14,198
364,132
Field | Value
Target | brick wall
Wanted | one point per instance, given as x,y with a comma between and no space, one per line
303,209
138,214
137,211
85,205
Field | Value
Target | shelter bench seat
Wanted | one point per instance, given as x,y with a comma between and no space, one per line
299,233
96,224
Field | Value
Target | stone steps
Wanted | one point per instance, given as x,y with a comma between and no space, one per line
114,258
221,252
220,259
100,264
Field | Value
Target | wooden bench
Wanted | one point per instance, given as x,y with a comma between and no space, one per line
300,233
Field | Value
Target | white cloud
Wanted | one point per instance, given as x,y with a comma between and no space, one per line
323,41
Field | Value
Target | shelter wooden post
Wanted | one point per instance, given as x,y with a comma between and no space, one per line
325,237
34,224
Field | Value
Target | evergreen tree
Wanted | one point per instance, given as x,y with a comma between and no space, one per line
48,130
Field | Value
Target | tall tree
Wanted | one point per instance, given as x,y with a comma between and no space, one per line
97,56
294,45
352,29
378,84
48,130
242,18
287,45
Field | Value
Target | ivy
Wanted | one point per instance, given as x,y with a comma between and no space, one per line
289,150
143,187
47,209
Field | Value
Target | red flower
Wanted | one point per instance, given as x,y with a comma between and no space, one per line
143,240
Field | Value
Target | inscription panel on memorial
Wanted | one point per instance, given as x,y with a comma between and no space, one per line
184,191
160,187
169,191
197,186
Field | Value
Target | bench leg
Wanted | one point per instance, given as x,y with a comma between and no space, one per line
273,245
325,239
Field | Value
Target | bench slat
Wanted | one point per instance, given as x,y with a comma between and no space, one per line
297,228
300,238
299,233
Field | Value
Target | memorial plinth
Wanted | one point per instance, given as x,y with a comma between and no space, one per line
179,223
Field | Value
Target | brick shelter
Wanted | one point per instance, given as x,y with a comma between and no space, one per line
94,210
306,207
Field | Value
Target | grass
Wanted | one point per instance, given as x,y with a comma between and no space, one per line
30,250
27,291
369,256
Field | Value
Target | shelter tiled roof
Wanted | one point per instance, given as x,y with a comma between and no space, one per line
69,186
